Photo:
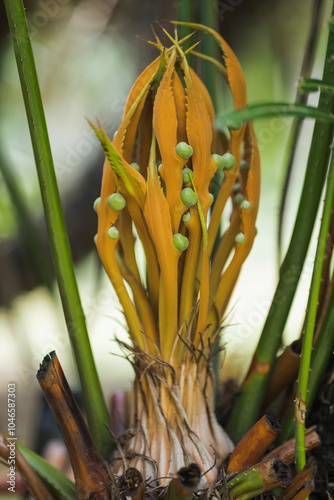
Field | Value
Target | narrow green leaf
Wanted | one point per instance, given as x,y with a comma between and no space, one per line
96,409
62,487
307,85
301,392
233,119
246,410
129,175
159,74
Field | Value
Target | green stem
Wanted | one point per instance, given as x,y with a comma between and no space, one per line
95,406
247,408
186,14
246,484
61,485
35,245
258,479
300,405
296,127
312,85
319,361
259,110
209,17
322,353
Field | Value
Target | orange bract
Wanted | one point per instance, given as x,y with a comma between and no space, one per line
175,312
169,104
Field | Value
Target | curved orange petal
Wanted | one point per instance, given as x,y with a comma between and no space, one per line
143,306
235,74
106,249
125,137
204,93
199,132
159,223
152,268
248,218
188,278
165,125
180,104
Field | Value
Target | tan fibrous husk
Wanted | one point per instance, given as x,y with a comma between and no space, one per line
173,419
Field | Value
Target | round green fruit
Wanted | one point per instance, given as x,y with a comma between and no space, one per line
184,150
96,202
229,161
187,175
116,201
245,205
244,165
186,216
240,238
219,160
113,233
135,166
239,198
180,242
188,197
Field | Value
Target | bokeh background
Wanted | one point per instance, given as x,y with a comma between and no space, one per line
88,54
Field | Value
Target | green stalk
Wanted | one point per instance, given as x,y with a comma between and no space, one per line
308,85
97,413
296,127
38,253
319,361
300,403
246,410
258,479
209,17
322,353
61,486
186,14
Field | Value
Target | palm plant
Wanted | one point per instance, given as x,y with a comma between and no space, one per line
174,323
170,172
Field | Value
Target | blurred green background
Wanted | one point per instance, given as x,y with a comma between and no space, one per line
88,54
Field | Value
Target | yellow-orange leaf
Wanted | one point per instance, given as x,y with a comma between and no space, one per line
165,126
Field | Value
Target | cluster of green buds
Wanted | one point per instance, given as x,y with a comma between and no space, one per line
169,174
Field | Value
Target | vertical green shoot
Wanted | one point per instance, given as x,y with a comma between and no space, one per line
301,396
247,407
95,406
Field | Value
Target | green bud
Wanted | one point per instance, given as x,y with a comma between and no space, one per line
115,133
229,161
219,160
245,205
187,175
113,233
244,165
180,242
186,216
234,123
239,198
240,238
188,197
212,198
116,201
135,166
184,150
95,238
96,202
236,187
